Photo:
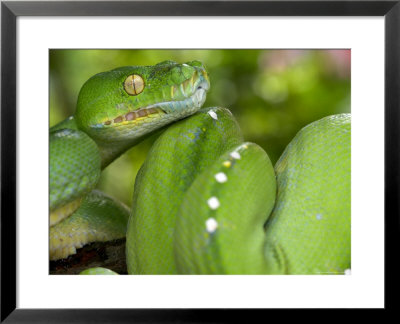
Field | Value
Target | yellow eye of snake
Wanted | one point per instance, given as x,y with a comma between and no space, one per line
134,84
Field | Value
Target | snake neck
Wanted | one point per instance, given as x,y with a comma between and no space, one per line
110,152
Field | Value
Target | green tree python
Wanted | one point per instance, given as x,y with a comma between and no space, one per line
205,201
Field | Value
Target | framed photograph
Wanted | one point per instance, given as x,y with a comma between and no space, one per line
225,154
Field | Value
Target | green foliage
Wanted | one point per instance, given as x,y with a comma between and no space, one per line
272,93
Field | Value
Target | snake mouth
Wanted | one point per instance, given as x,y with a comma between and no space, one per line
136,115
157,110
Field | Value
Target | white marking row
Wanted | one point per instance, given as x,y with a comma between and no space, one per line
221,177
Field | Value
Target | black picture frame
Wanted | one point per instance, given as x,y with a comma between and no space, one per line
10,10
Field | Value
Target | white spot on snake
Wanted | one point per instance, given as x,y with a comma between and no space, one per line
211,225
213,114
213,203
347,272
319,216
221,177
235,155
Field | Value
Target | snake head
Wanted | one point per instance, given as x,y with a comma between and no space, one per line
129,102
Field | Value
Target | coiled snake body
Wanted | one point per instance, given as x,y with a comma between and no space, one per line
205,201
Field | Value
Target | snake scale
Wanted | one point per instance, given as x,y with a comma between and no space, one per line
205,201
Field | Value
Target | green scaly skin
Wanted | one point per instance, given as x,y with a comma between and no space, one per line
308,230
233,213
202,239
108,121
205,202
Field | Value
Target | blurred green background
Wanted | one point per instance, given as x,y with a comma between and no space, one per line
272,93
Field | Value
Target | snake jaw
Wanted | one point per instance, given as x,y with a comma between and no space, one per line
133,116
178,109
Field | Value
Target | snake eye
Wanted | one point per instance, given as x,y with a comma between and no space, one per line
134,84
